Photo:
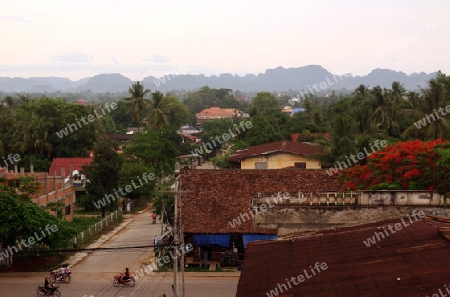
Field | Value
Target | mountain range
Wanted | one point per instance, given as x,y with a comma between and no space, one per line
312,78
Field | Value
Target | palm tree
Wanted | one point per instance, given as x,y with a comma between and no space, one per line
157,119
383,115
138,103
433,98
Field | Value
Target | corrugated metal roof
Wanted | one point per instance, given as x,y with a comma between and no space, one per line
414,261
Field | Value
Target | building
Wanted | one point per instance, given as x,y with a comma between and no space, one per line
277,155
216,113
121,139
367,260
52,189
217,210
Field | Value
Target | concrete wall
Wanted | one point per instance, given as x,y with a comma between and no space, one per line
51,189
401,198
279,160
291,219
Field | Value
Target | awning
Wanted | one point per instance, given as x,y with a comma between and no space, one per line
222,240
254,237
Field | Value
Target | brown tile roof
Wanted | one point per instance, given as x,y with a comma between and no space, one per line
219,196
413,261
297,148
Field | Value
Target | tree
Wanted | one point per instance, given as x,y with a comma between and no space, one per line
411,165
138,104
433,99
103,173
21,217
176,111
157,119
155,150
265,104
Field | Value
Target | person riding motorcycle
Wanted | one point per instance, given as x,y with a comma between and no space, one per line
154,217
49,287
67,269
126,276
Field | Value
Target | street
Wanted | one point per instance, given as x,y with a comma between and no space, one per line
93,275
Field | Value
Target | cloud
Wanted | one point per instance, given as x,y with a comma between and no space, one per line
74,57
16,19
158,59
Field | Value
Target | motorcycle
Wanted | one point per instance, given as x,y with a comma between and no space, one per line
154,220
58,277
119,281
42,291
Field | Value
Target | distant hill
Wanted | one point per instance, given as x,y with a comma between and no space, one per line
313,77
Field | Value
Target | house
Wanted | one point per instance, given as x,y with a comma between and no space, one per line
297,109
217,212
188,129
366,260
287,110
215,113
122,139
276,155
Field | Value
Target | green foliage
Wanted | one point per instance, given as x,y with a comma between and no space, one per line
103,172
155,149
207,97
21,217
169,205
264,104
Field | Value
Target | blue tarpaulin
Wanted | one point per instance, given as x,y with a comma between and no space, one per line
254,237
209,239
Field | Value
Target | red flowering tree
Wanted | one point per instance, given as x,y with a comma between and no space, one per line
411,165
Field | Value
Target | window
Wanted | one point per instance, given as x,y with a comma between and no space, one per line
68,210
260,165
301,165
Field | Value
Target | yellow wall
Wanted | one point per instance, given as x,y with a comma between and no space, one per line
280,160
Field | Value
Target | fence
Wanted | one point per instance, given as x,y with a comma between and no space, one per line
89,233
306,198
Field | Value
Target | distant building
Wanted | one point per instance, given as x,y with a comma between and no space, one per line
81,102
215,113
277,155
297,109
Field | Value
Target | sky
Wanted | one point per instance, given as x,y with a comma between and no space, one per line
140,38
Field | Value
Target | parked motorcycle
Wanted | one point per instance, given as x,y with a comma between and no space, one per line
42,291
58,277
119,281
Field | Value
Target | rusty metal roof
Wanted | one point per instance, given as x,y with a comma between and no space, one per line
413,261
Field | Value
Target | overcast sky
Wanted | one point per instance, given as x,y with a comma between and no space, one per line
138,38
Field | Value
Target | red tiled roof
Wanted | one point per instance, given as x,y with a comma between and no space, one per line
65,163
411,262
292,147
218,112
217,197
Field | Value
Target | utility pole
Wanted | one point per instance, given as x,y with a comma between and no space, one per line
163,210
175,239
177,222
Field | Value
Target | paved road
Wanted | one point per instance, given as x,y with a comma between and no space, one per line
94,274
